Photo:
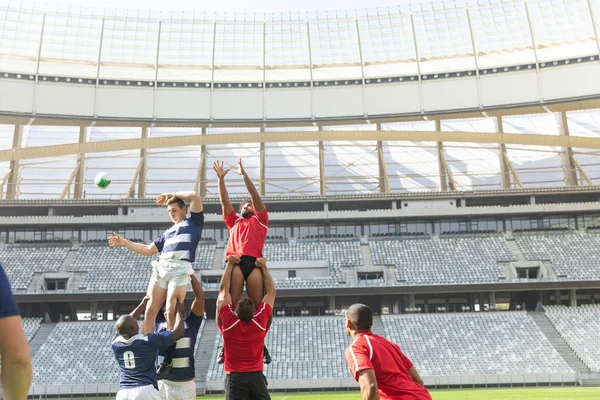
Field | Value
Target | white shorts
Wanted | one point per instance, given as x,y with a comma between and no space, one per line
177,390
147,392
172,273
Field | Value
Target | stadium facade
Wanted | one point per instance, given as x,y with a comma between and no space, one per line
435,161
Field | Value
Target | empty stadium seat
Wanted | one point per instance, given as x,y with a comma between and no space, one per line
579,327
20,263
454,260
474,343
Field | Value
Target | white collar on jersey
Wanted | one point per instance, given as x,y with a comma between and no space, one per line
121,339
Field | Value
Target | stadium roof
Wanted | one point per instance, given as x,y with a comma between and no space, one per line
152,44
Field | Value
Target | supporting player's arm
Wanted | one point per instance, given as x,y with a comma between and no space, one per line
268,284
16,359
179,328
368,384
193,198
415,375
224,296
135,314
198,304
257,202
117,240
223,195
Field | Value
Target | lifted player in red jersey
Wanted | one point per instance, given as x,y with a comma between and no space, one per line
247,233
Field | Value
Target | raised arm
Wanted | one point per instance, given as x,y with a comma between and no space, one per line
117,240
223,195
268,283
257,202
135,314
193,198
224,296
198,304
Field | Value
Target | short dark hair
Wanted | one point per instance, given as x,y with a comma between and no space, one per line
361,316
245,309
176,200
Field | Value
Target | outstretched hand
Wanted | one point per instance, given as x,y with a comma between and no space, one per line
116,240
220,170
240,168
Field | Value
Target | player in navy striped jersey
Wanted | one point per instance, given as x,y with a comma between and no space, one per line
179,383
177,247
136,354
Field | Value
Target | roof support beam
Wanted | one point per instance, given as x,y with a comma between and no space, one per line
516,179
67,189
200,185
568,165
384,183
131,191
143,168
504,165
323,187
14,177
446,178
81,160
301,136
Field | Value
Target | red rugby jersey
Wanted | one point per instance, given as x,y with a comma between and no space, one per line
369,351
247,235
244,341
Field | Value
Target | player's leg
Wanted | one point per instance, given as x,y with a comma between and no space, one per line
258,387
254,286
237,285
175,294
237,387
235,290
255,289
158,294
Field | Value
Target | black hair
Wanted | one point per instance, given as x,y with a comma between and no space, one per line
361,316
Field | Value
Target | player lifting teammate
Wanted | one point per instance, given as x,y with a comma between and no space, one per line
247,233
171,273
244,328
136,354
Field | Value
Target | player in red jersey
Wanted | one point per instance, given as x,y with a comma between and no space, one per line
244,329
377,364
247,233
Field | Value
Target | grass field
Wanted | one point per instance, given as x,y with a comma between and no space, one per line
477,394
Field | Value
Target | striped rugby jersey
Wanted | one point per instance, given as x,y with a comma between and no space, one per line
179,242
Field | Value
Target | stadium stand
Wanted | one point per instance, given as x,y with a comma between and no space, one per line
21,262
120,269
474,344
573,255
451,260
337,253
302,348
77,353
579,327
31,326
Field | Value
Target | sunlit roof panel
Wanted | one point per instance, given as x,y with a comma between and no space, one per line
19,39
292,169
351,167
584,123
537,166
411,166
229,154
539,124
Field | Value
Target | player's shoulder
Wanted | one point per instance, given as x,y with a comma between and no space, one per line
120,340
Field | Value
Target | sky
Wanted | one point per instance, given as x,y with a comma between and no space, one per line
250,6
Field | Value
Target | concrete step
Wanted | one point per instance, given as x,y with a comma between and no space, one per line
366,255
40,337
558,342
219,260
516,250
66,265
205,349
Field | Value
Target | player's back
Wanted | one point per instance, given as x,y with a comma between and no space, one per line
391,367
136,357
244,340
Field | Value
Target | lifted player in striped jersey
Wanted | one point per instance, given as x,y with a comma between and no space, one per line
179,383
136,354
177,247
